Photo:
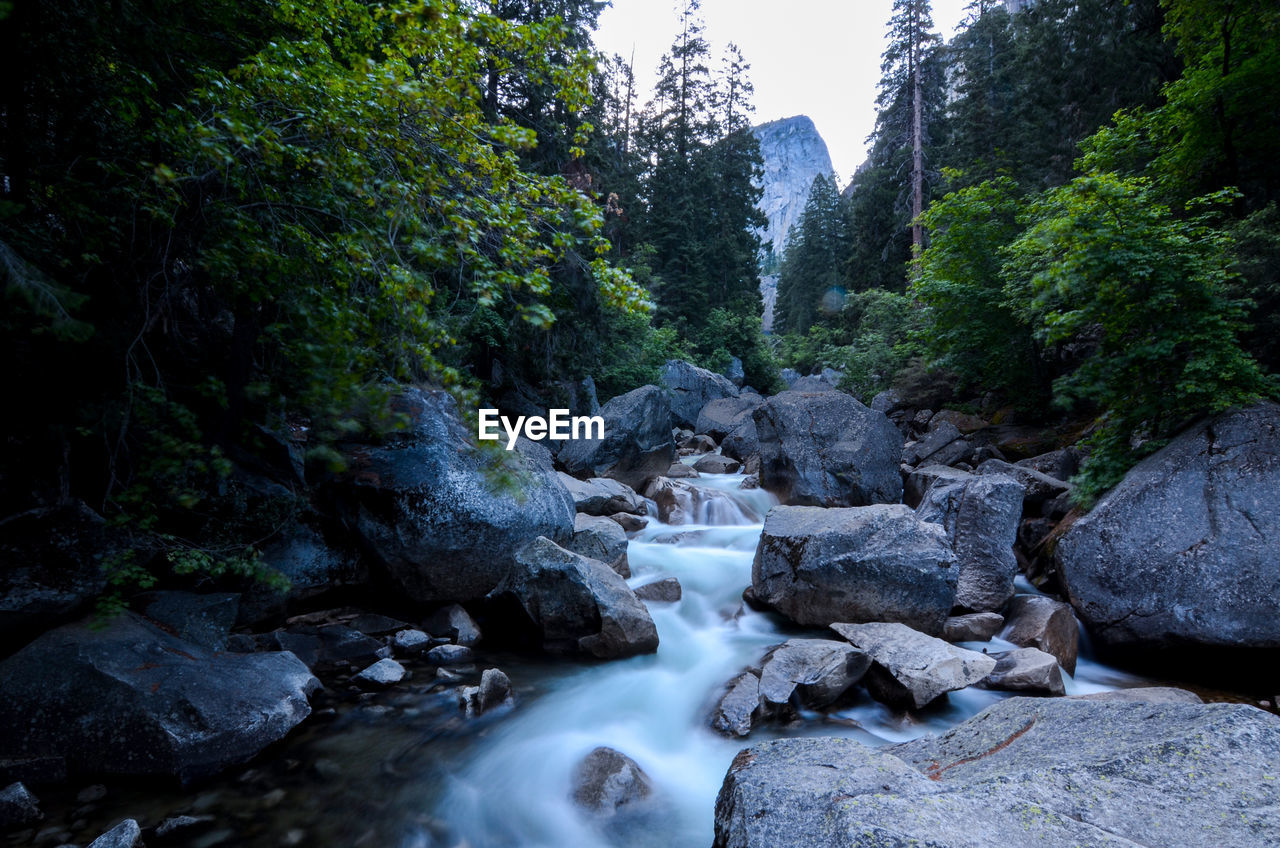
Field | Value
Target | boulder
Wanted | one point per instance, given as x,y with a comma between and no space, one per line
127,834
743,442
572,604
455,624
700,443
910,669
1060,464
739,707
981,516
629,523
722,416
606,780
1145,695
888,401
600,538
450,655
788,376
312,566
131,699
1183,552
734,371
963,421
320,646
920,479
1037,488
813,384
666,590
1053,773
827,450
691,388
1026,670
18,806
1034,621
383,673
679,470
683,502
602,496
714,463
428,507
974,627
874,563
932,445
409,642
205,620
637,444
813,673
493,692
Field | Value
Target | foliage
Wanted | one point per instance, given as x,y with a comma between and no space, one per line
811,277
882,342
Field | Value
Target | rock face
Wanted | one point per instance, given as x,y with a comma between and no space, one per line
690,389
573,604
606,780
637,444
875,563
911,669
428,509
132,699
1184,549
1055,773
827,450
981,516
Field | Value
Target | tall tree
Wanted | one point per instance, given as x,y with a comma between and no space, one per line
810,281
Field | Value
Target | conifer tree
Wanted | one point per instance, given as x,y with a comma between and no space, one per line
810,280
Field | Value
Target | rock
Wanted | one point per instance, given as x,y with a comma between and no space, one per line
691,388
1037,488
743,442
679,470
380,675
666,590
734,372
1145,695
637,444
739,706
1026,670
911,669
311,565
794,154
411,642
932,445
333,643
629,523
981,516
813,672
714,463
1034,621
962,421
813,384
455,624
450,655
602,496
176,827
18,807
92,794
751,481
1059,464
1182,553
875,563
697,444
569,603
920,479
127,834
607,780
376,624
1053,773
599,538
827,450
205,620
681,502
493,692
974,627
161,706
426,507
888,401
721,417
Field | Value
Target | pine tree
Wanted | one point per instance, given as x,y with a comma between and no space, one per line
812,274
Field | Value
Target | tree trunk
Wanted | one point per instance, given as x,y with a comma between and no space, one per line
917,154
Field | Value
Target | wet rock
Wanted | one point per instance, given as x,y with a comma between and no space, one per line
1053,773
721,417
875,563
813,672
1026,670
981,516
637,444
679,470
602,496
426,508
455,624
1034,621
18,806
493,692
666,590
714,463
607,780
205,620
739,706
682,502
1037,488
573,604
911,669
827,450
383,673
127,834
599,538
411,642
161,706
697,444
629,523
1145,695
1182,553
450,655
974,627
691,388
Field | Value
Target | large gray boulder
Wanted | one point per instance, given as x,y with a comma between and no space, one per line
430,508
1184,550
572,604
1050,773
722,416
742,442
981,516
874,563
596,537
131,699
691,388
637,444
910,669
827,449
602,496
1035,621
1026,670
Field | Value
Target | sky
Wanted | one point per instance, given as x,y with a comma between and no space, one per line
819,58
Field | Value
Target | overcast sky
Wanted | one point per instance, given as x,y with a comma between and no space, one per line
819,58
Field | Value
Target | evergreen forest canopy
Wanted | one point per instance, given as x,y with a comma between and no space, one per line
227,221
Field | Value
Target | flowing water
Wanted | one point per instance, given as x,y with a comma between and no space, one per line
512,788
